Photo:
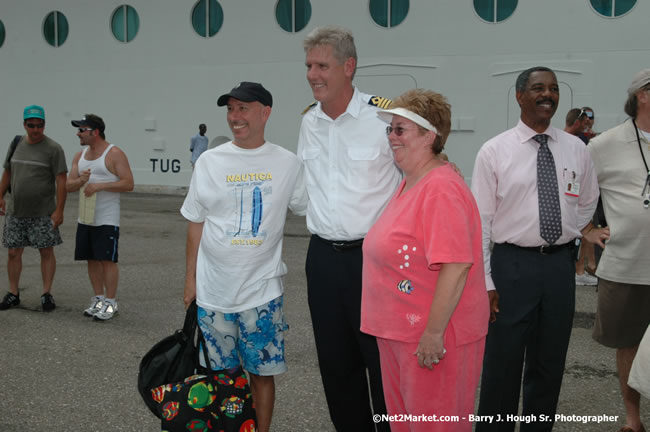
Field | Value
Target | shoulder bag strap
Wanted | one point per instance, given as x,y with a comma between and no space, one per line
12,147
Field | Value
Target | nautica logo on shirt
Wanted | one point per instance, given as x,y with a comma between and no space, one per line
238,178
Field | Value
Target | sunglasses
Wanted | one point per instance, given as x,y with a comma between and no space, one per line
82,130
35,125
588,113
398,130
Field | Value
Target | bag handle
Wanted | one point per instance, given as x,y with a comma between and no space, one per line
200,340
194,335
190,324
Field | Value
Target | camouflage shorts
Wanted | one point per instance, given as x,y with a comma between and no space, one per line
37,232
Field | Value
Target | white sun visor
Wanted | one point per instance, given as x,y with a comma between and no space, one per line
387,116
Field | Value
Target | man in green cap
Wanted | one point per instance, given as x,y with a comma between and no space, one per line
35,173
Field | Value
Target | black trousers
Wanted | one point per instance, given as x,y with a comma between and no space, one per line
531,332
344,353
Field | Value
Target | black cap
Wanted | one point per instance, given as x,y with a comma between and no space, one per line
247,92
90,120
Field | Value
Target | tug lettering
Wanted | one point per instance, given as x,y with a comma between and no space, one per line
165,165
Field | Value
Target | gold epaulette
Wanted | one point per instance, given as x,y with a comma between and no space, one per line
308,108
380,102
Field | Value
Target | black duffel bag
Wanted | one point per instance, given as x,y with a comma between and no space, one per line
173,359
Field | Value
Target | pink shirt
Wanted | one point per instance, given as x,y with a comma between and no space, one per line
504,184
435,222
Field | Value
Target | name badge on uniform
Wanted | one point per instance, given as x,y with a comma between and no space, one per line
571,184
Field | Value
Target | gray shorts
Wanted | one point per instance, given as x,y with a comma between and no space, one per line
37,232
623,314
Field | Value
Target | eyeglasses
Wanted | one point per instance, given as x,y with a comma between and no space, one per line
35,125
82,130
398,130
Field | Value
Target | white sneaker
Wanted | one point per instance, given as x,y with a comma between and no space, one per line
586,279
95,306
109,309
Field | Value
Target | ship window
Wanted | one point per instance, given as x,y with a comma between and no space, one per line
293,15
55,28
125,23
388,13
2,33
495,11
612,8
207,17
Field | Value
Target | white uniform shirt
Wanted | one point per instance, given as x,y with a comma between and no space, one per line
349,169
242,196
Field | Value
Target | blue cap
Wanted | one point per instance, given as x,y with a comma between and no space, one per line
34,111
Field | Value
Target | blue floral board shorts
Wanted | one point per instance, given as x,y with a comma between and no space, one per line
37,232
253,338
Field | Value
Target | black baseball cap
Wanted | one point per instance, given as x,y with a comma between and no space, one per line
90,120
247,92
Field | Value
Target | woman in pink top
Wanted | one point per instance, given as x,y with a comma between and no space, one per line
424,294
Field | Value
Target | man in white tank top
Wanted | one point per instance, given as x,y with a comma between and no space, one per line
101,170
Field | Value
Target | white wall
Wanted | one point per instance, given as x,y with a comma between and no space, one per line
171,77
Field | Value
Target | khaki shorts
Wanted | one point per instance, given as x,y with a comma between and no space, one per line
623,314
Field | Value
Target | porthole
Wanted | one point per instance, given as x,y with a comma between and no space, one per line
2,33
494,11
55,28
293,15
125,23
207,18
612,8
388,13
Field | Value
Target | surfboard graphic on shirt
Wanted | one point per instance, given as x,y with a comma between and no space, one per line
250,192
241,213
256,213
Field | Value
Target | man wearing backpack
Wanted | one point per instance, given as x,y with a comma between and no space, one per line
35,172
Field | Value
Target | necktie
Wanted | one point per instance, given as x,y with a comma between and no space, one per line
550,216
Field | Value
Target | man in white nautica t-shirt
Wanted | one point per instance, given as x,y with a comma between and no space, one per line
236,207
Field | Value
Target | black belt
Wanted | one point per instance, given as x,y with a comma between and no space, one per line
341,245
544,249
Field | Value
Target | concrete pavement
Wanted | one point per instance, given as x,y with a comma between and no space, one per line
62,371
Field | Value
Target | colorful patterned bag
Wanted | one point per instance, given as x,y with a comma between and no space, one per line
218,401
206,400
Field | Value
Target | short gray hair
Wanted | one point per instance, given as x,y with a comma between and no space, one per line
339,38
631,106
